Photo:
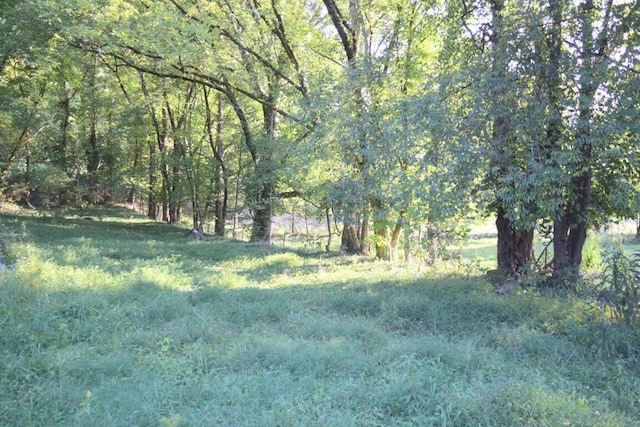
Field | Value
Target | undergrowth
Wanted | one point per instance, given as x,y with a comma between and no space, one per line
117,321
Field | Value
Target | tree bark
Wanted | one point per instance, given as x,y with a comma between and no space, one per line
137,154
515,248
350,241
152,205
432,238
395,239
261,229
329,234
365,247
381,231
408,236
221,179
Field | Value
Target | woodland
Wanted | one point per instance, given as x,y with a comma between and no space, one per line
389,131
390,121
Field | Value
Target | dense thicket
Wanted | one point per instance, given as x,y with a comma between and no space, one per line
396,118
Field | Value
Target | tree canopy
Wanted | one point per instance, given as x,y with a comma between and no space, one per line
396,117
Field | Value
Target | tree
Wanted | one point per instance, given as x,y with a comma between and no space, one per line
553,69
388,49
253,78
601,33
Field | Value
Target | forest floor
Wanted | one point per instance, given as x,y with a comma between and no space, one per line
109,319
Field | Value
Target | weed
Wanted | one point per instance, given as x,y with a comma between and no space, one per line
620,294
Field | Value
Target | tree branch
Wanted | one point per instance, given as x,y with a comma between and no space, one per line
343,29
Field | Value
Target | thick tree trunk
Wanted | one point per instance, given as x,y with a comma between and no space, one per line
221,205
572,227
365,246
175,214
395,239
261,229
220,181
561,260
265,176
161,129
515,248
570,234
380,230
350,240
382,241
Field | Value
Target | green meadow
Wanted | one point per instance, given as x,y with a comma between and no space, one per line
109,319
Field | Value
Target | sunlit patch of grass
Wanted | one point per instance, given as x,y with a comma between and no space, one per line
483,248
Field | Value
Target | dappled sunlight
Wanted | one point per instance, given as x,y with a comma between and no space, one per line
218,329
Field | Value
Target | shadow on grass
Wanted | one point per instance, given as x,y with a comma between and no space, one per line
134,322
315,353
449,305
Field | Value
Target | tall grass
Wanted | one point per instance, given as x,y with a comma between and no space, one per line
117,321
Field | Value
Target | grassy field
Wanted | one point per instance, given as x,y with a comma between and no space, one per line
110,320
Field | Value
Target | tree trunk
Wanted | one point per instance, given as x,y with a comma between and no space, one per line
575,222
65,124
381,230
328,247
264,173
175,214
93,154
382,241
265,176
152,207
222,181
261,229
365,247
350,241
94,161
136,162
515,248
395,239
161,129
432,238
570,234
561,260
220,207
408,236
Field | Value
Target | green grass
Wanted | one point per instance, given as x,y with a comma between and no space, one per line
115,321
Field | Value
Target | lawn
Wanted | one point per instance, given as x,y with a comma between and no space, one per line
111,320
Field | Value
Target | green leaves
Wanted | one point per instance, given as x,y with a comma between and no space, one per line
428,110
